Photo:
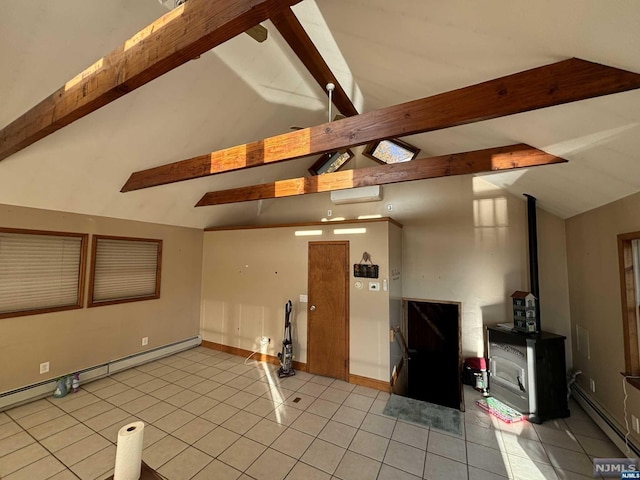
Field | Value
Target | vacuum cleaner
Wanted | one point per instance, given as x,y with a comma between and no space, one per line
286,356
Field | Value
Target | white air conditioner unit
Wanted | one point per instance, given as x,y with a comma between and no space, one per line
171,4
357,195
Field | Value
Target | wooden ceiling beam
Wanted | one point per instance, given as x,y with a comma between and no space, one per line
562,82
177,37
479,161
295,35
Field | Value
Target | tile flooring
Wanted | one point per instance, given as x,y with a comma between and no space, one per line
210,416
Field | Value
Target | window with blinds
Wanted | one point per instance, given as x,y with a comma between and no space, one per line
124,270
629,265
40,271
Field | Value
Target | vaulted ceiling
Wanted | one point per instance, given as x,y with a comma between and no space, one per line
381,53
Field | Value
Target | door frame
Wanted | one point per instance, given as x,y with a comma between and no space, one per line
405,317
347,306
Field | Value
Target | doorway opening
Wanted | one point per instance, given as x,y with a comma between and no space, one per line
435,351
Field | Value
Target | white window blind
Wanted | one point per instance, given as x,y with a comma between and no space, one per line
125,269
39,271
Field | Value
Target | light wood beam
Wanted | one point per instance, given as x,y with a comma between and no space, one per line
179,36
478,161
555,84
295,35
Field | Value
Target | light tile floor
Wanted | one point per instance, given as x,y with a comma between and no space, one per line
210,416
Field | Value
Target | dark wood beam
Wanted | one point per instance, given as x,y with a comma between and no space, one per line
295,35
179,36
566,81
479,161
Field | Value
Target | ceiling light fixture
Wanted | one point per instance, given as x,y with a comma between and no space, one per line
390,151
330,88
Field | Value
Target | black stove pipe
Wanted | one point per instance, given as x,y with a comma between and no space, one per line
532,226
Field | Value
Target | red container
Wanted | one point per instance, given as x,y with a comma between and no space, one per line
476,363
474,373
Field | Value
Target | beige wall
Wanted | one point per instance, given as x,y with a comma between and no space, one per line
77,339
249,274
469,245
463,240
395,292
595,300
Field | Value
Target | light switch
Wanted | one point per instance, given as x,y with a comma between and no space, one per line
304,298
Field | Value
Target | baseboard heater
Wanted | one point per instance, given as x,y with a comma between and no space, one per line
608,425
29,393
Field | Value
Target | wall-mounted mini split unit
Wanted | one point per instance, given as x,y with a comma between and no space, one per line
357,195
171,4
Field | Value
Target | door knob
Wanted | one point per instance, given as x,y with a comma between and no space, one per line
312,308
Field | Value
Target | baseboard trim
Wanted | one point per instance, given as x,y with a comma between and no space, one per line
607,424
370,382
261,357
299,366
32,392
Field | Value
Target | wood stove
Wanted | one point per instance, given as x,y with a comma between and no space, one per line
528,370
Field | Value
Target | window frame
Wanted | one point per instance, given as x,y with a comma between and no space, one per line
90,302
630,312
81,271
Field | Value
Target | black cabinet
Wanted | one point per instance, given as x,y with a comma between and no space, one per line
528,372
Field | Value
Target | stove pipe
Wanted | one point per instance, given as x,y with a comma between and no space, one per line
532,227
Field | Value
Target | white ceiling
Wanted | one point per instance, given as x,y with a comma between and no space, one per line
382,52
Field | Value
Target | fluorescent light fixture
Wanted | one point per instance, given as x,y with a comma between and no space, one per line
368,217
307,233
348,231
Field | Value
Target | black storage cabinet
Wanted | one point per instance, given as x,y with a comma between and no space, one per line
540,389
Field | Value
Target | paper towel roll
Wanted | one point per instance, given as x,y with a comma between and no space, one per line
129,452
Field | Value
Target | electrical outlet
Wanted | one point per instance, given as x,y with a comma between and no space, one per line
389,207
592,385
145,341
44,367
635,424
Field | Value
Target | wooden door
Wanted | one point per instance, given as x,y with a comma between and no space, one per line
328,309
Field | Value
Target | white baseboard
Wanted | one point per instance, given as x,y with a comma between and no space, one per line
150,355
29,393
607,424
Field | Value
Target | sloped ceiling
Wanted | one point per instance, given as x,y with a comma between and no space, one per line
382,52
